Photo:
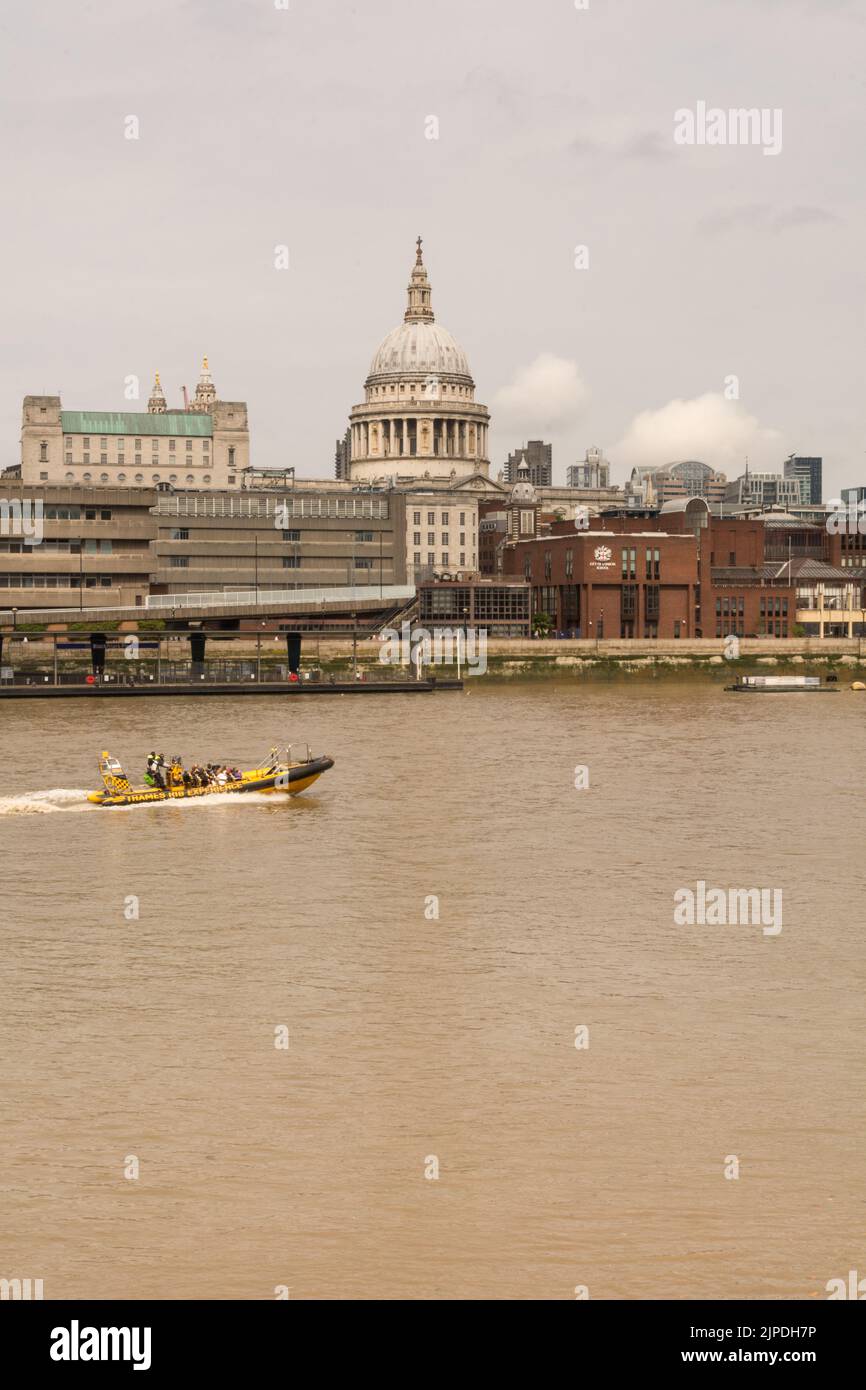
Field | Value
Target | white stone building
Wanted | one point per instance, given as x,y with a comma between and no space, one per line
205,445
419,418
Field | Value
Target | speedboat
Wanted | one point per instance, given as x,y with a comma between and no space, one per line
280,774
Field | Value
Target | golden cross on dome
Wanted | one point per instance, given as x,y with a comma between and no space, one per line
418,260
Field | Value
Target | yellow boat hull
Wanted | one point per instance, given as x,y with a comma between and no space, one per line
288,780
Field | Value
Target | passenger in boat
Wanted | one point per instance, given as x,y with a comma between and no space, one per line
175,773
187,777
222,776
155,765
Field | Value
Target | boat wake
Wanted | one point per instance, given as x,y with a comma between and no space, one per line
66,799
43,803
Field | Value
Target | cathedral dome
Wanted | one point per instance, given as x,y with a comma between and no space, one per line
419,418
419,346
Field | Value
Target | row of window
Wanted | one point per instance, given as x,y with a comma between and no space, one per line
64,581
431,518
138,478
733,627
431,538
67,547
71,513
289,562
430,392
69,440
431,558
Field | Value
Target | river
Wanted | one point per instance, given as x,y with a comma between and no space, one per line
336,1038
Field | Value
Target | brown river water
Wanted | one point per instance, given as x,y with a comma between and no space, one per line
416,1040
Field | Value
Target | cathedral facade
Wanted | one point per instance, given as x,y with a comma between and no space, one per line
419,420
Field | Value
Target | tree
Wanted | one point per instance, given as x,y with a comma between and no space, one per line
541,624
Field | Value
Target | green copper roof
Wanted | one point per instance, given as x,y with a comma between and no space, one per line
136,422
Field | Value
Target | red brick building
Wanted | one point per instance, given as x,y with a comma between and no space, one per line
610,582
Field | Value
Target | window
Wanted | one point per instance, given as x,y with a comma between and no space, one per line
231,459
431,537
205,445
154,446
172,477
291,535
156,477
656,565
462,537
86,477
416,518
86,441
445,559
172,445
363,564
86,458
416,538
207,477
121,477
138,443
444,537
548,564
43,451
625,563
291,562
569,563
431,558
181,534
179,562
103,443
139,477
431,518
463,559
120,446
363,535
103,477
43,477
68,458
190,478
462,518
188,445
444,518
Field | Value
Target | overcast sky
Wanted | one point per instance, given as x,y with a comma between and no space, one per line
308,127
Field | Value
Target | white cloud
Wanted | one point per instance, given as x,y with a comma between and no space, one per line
547,396
710,428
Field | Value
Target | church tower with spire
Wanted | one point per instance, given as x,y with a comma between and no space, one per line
156,402
205,391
